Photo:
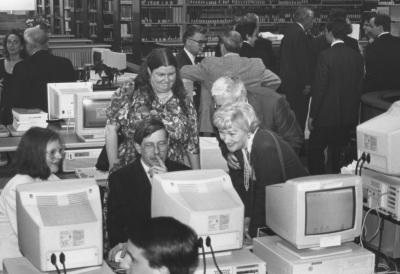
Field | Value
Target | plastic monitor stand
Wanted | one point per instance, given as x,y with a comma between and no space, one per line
314,253
4,132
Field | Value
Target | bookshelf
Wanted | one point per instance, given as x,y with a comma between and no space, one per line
162,22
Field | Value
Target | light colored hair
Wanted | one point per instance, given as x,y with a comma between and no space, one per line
36,37
240,113
229,87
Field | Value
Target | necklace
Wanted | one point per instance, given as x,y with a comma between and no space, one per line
164,97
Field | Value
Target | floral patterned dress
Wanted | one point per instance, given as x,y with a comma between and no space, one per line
129,106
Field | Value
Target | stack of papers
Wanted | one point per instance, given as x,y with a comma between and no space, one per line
24,119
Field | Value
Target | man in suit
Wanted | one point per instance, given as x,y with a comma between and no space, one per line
129,200
40,68
382,57
250,70
296,63
253,46
194,41
335,100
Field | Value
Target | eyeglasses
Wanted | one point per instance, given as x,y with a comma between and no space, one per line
52,153
150,147
200,42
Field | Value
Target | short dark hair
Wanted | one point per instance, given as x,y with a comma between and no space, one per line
245,27
169,243
192,30
147,127
232,40
30,158
338,27
339,13
17,33
302,14
382,20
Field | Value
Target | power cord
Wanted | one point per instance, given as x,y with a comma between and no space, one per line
62,261
362,158
53,260
208,243
367,159
200,243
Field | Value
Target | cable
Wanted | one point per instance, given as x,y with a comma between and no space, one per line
208,243
366,159
358,162
62,261
200,243
53,259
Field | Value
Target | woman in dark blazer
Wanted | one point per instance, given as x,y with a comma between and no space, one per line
266,159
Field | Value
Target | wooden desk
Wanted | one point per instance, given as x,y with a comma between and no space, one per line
70,139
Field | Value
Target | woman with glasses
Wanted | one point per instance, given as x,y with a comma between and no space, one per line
37,159
157,91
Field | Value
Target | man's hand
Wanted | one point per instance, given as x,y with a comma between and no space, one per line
158,168
310,124
232,161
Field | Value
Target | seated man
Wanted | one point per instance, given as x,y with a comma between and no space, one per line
164,246
129,200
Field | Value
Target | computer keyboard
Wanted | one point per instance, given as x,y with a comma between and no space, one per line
91,172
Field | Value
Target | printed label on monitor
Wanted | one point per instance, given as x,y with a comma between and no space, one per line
70,238
370,142
218,222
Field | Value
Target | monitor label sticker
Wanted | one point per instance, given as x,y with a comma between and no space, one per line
70,238
370,142
330,241
218,222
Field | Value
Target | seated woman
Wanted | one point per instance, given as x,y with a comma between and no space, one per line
267,159
38,158
157,91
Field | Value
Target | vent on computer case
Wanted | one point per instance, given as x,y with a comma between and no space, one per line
227,270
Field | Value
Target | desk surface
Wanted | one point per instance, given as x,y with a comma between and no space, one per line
70,139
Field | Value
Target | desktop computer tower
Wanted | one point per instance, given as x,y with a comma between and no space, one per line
235,262
281,258
80,158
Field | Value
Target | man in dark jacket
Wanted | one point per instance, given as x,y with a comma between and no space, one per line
34,73
335,99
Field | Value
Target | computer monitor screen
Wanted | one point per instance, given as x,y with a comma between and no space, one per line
379,138
60,216
60,98
90,109
316,211
204,200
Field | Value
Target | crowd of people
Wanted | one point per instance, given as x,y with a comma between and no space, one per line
255,106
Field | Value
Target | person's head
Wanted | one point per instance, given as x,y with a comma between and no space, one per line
248,30
235,123
36,39
340,14
336,29
14,44
165,246
39,153
230,41
367,28
151,140
304,16
226,90
379,23
194,39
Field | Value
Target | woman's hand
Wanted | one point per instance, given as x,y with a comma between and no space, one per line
232,161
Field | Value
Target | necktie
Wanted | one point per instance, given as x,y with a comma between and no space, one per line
246,169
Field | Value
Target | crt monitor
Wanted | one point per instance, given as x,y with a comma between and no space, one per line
109,58
379,138
60,98
60,216
90,109
315,211
204,200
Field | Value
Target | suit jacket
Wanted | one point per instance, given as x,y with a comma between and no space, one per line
250,70
296,69
382,63
262,49
182,59
34,73
129,200
337,87
265,162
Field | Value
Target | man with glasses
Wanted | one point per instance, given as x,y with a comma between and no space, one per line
194,42
129,200
251,71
